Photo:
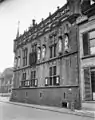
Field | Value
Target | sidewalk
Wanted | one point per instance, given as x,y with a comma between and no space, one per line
84,113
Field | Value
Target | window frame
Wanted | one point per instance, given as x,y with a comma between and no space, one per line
89,52
34,81
52,79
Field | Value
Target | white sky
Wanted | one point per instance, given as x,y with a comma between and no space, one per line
12,11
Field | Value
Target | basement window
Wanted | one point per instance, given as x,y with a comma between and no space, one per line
64,104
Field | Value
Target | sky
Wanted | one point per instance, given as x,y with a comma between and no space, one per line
12,11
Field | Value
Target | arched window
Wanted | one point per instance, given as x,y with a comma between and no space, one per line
43,51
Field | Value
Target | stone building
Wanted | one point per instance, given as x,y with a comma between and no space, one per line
86,23
47,60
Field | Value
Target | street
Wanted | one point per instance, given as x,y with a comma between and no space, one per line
15,112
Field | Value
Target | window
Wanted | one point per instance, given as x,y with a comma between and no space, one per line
89,43
25,51
33,78
53,51
53,77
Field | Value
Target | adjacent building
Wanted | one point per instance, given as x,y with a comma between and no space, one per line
86,23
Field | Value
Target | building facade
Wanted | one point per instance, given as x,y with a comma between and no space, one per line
47,60
86,23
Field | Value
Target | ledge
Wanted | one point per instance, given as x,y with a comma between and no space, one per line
88,56
46,87
46,61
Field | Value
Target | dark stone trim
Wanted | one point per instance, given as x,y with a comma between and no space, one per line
47,87
90,11
88,56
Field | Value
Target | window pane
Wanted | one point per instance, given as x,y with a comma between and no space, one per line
92,43
85,44
50,71
25,76
93,80
50,80
54,80
31,75
55,50
92,34
87,84
33,82
92,50
50,52
54,70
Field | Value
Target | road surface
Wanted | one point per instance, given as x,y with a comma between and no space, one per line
15,112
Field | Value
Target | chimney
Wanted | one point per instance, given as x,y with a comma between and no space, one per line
33,22
74,6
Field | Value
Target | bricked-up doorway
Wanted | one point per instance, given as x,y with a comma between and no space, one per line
93,83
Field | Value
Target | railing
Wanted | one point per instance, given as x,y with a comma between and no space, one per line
29,83
52,81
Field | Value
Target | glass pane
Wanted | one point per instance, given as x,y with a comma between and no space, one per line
54,80
55,50
93,80
50,52
92,34
92,50
54,70
50,71
50,80
33,82
31,75
92,43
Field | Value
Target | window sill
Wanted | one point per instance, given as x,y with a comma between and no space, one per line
88,56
